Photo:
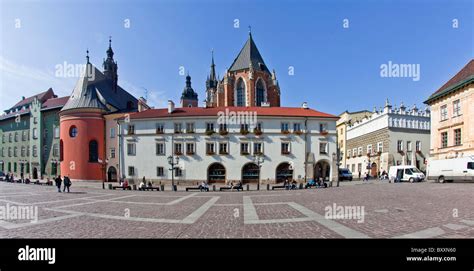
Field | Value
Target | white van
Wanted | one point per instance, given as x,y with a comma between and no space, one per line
455,169
405,173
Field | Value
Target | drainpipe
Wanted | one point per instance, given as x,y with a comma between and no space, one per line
305,148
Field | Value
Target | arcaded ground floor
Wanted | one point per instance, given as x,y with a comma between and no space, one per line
412,210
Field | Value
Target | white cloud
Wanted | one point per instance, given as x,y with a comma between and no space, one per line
19,80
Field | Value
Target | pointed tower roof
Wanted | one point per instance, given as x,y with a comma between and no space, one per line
95,90
213,68
249,56
188,91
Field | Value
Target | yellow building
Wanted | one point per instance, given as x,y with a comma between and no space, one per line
347,118
452,116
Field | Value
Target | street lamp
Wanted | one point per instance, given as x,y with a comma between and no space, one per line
173,161
258,159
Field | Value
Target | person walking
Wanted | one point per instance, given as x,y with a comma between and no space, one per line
58,183
67,183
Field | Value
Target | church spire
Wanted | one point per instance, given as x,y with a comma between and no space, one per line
110,65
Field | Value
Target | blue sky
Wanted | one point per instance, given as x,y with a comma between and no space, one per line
335,68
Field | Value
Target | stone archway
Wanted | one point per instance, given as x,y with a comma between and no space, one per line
216,173
322,170
250,173
112,174
284,172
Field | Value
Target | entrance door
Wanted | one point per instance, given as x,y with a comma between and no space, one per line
216,173
373,170
35,173
112,174
250,173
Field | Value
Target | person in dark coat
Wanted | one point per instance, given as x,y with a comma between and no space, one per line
67,184
58,182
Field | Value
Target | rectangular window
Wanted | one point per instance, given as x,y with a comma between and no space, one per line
259,127
55,150
323,127
359,151
369,148
210,127
56,132
160,128
418,146
223,128
284,127
112,152
178,148
112,132
400,145
160,171
244,128
131,151
444,112
223,148
23,136
131,129
178,172
257,148
190,148
380,147
296,127
177,128
359,167
457,137
35,133
409,146
244,148
210,148
285,148
190,127
160,148
444,139
131,171
348,153
354,152
353,167
456,108
323,148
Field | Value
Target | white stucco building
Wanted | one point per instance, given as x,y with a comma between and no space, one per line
294,143
390,136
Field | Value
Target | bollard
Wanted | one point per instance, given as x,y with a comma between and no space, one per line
110,186
175,188
103,185
268,186
258,186
134,186
248,187
213,187
162,187
301,185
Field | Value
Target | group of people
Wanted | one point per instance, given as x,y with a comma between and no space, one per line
143,184
290,185
232,186
59,182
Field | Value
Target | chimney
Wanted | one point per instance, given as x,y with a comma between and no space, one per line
170,106
22,97
304,105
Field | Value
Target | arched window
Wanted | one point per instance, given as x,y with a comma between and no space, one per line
73,131
240,93
93,151
61,150
260,93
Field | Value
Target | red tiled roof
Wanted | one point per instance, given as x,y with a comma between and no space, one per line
55,102
213,111
40,97
464,74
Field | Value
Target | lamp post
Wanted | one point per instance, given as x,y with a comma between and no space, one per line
173,161
258,159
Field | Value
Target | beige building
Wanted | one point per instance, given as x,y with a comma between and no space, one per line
345,119
452,118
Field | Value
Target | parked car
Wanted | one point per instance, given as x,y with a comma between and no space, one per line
448,170
405,174
345,174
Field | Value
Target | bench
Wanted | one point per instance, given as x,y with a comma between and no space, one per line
197,188
149,188
279,187
122,187
238,188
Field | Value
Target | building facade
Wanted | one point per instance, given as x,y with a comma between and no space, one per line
390,136
30,136
452,127
345,119
291,143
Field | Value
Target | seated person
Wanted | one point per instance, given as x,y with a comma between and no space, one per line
125,183
293,185
204,186
150,184
141,186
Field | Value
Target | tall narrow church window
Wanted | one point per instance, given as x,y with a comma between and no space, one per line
93,151
260,93
240,93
